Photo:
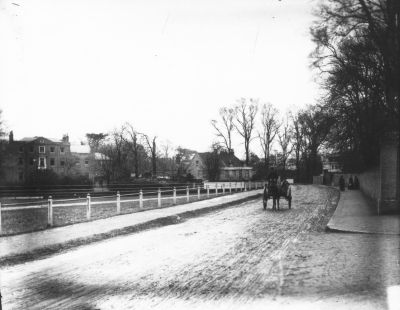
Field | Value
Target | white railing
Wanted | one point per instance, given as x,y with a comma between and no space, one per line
183,192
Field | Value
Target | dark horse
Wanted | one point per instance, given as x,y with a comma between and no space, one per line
275,190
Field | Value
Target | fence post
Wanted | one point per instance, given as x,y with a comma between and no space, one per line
198,192
223,189
249,185
118,203
1,231
174,195
208,191
140,199
230,188
159,198
88,207
216,189
50,212
187,194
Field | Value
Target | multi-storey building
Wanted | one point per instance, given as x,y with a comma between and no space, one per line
23,157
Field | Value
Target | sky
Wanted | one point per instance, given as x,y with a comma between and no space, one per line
165,66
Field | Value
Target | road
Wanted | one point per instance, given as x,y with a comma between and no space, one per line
241,257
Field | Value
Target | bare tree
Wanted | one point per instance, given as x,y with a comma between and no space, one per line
285,142
152,148
225,130
269,129
132,140
298,140
166,163
245,115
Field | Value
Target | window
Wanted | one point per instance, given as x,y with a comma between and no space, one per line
20,176
21,149
197,163
31,149
62,149
86,162
62,162
41,149
20,161
52,161
31,161
52,148
42,162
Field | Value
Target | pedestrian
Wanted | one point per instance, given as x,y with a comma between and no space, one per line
341,183
351,184
356,183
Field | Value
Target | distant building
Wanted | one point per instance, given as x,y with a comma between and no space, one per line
231,168
21,158
331,163
87,163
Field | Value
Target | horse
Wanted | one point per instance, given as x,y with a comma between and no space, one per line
271,190
275,189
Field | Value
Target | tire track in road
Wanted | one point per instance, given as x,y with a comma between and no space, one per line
253,266
237,252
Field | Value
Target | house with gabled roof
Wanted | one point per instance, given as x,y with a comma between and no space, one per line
230,167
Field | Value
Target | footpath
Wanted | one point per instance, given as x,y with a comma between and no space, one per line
27,246
355,213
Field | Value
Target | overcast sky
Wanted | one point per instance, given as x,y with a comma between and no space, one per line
165,66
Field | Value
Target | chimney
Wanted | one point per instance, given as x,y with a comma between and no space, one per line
65,138
11,136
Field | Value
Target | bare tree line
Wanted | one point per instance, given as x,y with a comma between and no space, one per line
131,153
298,135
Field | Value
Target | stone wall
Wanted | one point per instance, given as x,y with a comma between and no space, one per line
370,183
389,174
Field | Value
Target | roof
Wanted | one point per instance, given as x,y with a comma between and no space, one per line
30,139
227,159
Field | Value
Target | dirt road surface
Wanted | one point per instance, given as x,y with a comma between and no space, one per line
241,257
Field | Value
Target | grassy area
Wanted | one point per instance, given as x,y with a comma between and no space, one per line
27,220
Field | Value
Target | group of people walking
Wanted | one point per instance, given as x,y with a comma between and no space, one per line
352,183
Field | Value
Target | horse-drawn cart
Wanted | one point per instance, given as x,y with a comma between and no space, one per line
275,190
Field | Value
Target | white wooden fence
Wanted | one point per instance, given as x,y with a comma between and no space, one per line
211,190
